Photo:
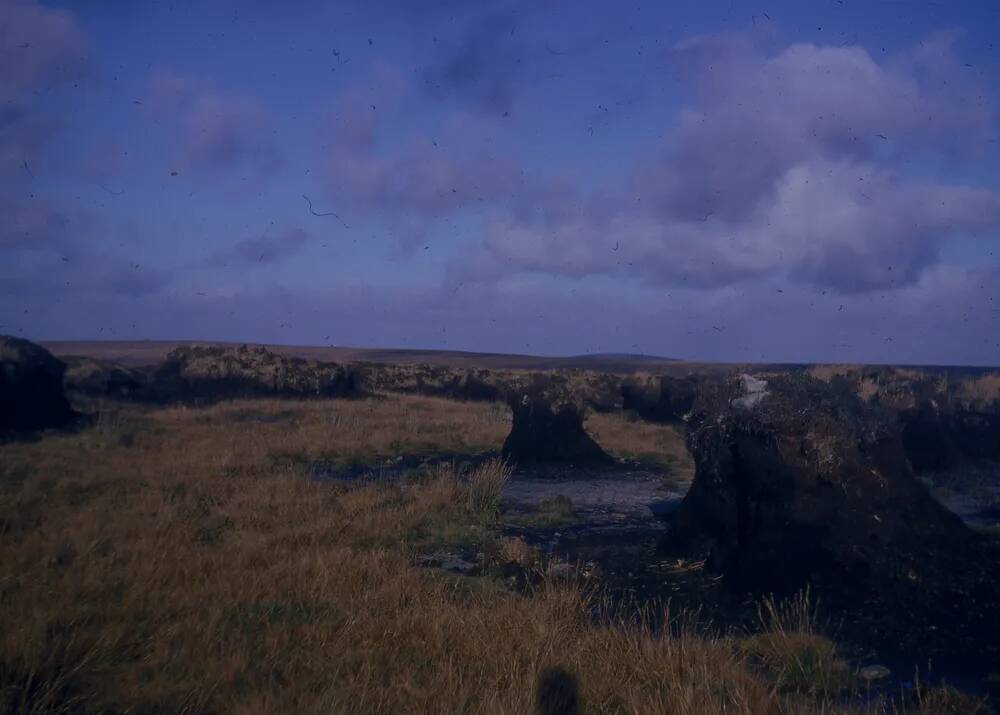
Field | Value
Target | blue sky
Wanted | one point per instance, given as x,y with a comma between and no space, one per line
786,181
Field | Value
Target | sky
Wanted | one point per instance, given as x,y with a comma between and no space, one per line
782,181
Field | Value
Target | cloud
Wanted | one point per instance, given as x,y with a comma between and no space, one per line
756,115
841,225
99,276
945,318
221,131
51,247
482,70
787,165
420,179
36,225
103,162
265,249
24,133
857,227
55,249
132,281
39,47
425,177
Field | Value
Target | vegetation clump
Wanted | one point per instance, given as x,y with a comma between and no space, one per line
213,373
485,484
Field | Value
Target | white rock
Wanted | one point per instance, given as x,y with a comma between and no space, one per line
874,672
754,390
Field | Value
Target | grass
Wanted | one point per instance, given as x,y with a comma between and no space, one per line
558,508
518,552
622,435
114,425
189,573
550,513
486,483
981,391
357,430
792,651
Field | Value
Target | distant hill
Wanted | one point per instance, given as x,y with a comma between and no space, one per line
623,357
147,352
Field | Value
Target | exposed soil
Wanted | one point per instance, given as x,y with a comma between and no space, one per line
608,527
632,495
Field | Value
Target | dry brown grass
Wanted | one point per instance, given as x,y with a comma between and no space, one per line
353,429
660,444
515,550
827,372
790,648
485,486
186,571
982,391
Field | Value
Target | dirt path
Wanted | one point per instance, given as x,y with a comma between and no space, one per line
596,497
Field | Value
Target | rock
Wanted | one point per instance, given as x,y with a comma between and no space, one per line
664,507
600,392
795,477
663,399
946,420
754,390
474,386
939,436
448,561
31,387
799,482
948,417
548,428
872,673
86,377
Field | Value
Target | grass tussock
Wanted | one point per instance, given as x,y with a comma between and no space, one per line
791,650
188,572
515,550
486,483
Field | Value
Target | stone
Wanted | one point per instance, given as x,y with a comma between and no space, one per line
800,483
32,396
660,399
548,428
795,477
86,377
948,417
871,673
754,390
448,561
